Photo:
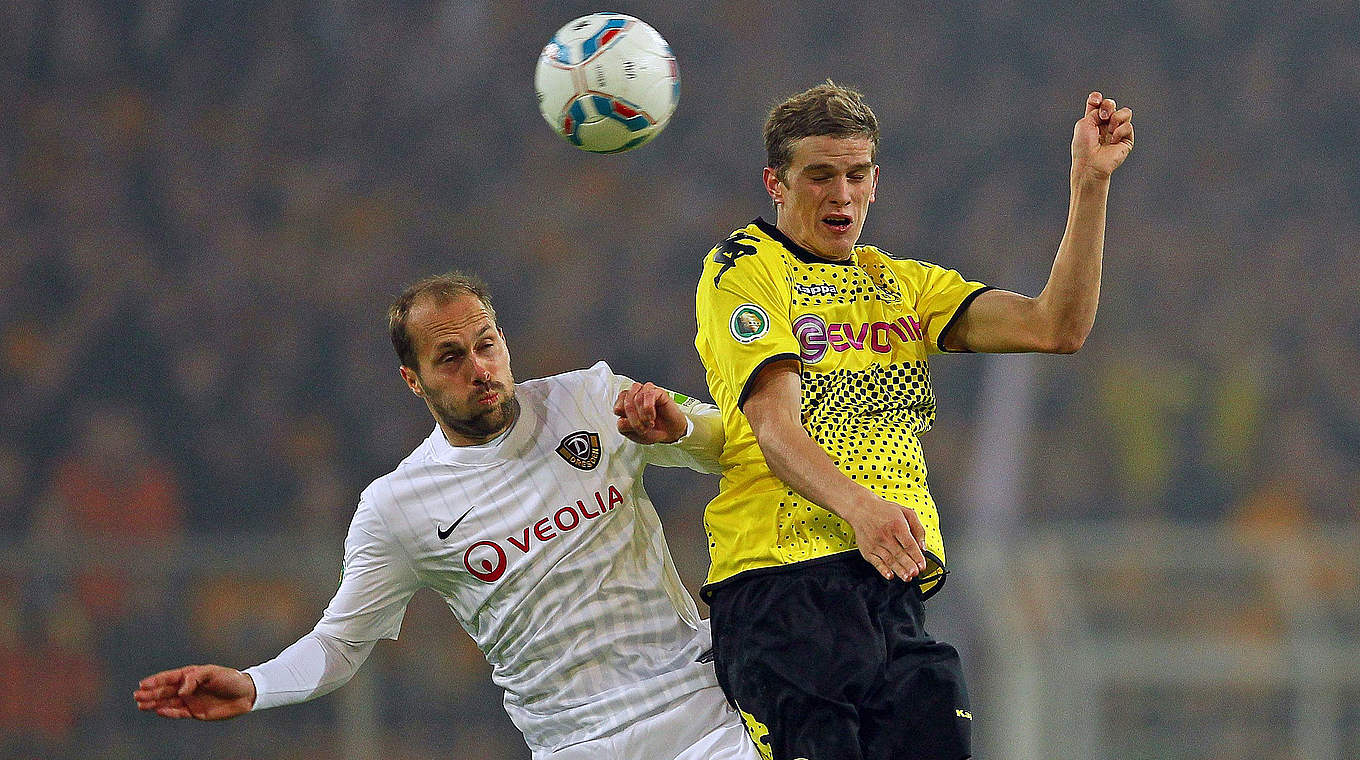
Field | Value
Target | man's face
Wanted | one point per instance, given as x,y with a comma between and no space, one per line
830,184
464,368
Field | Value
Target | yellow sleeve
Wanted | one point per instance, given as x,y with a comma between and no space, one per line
941,295
743,310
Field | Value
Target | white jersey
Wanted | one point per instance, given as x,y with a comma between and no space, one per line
548,551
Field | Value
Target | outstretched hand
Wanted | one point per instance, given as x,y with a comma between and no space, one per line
204,692
1101,139
647,414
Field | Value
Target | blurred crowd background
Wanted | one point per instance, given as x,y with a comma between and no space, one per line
206,208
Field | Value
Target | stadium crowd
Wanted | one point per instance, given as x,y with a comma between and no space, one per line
208,207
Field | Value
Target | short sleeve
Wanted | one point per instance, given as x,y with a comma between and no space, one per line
942,295
375,585
743,313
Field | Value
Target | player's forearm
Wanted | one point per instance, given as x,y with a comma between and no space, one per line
1069,300
803,466
314,665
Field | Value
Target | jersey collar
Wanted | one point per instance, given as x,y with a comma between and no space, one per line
798,251
508,445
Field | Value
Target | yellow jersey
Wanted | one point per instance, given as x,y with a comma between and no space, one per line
861,330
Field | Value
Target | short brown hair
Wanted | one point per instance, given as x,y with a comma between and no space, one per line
442,288
825,110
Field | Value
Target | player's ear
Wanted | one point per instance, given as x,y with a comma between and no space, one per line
873,188
412,380
773,185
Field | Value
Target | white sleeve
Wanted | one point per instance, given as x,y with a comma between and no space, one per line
314,665
701,447
377,581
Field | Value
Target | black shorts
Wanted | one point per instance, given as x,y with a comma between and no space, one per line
829,661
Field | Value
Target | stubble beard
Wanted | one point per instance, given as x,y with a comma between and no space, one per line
482,425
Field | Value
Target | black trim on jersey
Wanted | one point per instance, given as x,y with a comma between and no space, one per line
751,378
967,300
798,251
849,555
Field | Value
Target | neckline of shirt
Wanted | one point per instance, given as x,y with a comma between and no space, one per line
798,251
504,446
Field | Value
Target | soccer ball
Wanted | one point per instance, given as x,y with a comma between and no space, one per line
607,82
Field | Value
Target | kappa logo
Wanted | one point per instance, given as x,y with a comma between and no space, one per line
748,323
729,251
759,733
820,289
581,449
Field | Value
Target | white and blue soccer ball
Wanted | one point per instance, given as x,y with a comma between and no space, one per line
607,82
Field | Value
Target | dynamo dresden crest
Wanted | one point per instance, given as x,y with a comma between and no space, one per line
581,450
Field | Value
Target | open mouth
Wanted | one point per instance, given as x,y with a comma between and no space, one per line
837,222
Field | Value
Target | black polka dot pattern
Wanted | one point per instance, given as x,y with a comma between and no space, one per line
867,422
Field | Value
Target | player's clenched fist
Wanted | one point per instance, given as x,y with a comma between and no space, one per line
205,692
647,414
1101,139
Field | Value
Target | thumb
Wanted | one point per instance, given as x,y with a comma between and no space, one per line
192,678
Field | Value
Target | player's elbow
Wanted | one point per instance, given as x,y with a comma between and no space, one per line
1066,341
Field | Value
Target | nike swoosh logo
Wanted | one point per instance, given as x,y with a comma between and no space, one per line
445,533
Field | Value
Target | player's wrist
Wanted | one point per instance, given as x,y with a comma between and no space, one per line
859,502
1086,178
686,433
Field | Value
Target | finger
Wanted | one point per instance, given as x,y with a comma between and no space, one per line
1093,102
1122,116
1107,107
162,678
918,529
914,539
903,566
918,534
155,693
878,564
648,401
634,414
1122,133
158,703
173,712
647,404
192,678
618,402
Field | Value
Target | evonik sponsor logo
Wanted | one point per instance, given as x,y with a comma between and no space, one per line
816,337
487,560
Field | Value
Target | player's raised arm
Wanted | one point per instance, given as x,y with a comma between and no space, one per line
1059,319
205,692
